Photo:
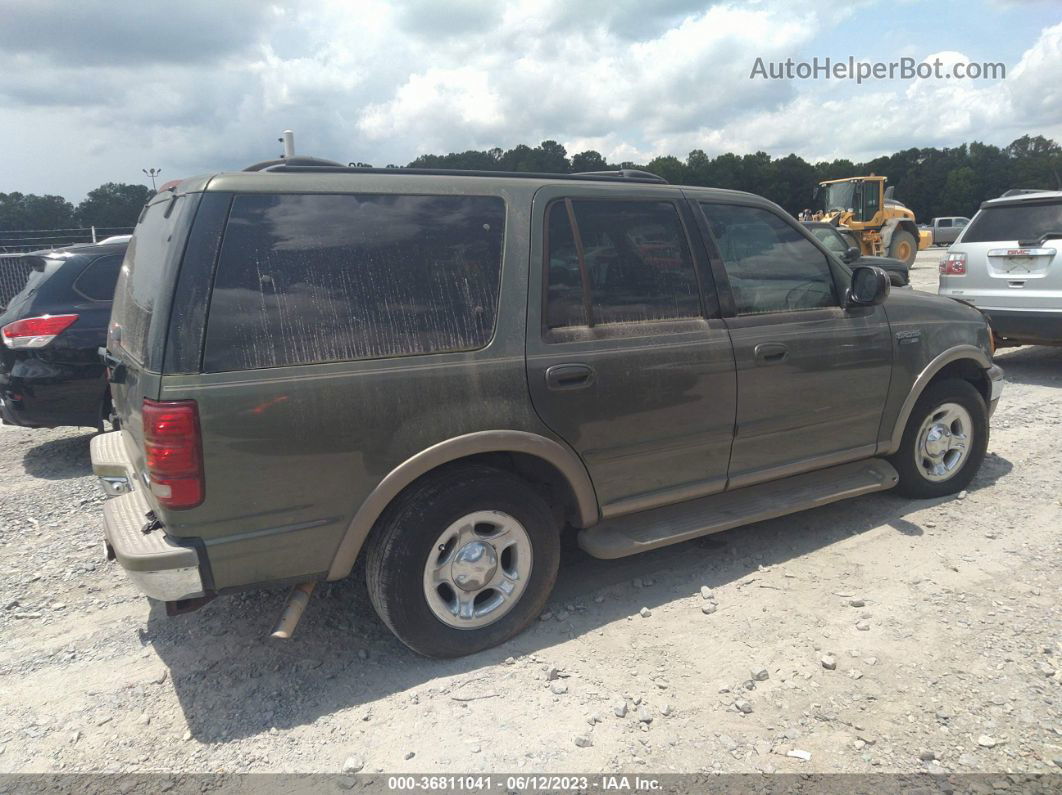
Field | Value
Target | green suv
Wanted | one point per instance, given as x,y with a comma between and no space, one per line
442,372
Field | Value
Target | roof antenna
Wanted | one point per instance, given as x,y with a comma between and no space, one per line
288,139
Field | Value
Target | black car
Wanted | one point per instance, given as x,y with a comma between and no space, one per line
845,245
50,369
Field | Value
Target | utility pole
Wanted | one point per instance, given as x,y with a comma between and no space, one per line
152,172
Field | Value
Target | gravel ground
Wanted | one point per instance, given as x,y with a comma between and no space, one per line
877,634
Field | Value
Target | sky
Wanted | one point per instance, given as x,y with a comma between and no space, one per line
95,91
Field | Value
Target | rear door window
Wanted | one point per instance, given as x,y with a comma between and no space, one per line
304,279
97,281
1025,222
636,264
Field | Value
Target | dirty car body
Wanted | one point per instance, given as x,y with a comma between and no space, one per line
440,372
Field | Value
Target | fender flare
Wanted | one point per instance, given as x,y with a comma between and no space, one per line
890,227
942,360
552,452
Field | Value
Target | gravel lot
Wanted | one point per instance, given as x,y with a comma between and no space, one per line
877,634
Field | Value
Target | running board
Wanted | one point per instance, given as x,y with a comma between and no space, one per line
682,521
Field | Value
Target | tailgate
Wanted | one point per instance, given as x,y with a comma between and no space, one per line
1007,275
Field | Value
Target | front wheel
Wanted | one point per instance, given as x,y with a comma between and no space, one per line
463,561
944,442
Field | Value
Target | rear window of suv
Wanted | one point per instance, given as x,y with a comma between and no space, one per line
306,279
1025,222
141,275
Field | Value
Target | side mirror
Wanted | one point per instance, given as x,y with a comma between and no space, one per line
870,286
851,254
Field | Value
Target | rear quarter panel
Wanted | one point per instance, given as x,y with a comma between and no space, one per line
290,453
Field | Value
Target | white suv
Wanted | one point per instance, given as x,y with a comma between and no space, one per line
1007,262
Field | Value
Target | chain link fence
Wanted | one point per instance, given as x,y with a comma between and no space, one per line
20,241
14,271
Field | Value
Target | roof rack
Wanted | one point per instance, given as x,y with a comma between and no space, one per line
299,160
1023,191
304,165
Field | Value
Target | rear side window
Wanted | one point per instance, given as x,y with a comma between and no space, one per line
304,279
97,281
771,267
1024,222
140,278
621,262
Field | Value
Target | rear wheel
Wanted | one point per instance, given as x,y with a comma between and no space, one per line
944,442
463,561
903,246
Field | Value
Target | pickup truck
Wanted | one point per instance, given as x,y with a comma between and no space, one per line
946,231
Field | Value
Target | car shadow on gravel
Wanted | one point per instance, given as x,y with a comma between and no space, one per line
1035,365
233,681
60,459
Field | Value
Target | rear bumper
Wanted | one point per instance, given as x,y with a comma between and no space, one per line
1031,327
162,567
35,393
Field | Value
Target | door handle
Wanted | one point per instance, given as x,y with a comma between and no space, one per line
771,352
569,376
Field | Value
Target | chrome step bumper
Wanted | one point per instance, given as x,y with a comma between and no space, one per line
163,568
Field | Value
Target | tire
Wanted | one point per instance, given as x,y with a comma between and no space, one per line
954,405
904,243
489,508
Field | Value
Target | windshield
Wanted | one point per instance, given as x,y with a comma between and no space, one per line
837,196
1022,222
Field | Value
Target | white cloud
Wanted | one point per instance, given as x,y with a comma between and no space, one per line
383,82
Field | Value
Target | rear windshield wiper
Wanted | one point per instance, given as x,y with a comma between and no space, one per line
1040,240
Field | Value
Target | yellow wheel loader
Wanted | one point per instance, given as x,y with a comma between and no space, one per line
884,226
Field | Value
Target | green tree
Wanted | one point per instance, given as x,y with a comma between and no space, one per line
1036,162
30,211
792,183
670,168
698,167
960,191
589,161
930,181
113,204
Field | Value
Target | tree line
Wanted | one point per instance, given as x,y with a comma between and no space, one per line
932,182
111,205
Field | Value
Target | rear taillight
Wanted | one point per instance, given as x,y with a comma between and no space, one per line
173,452
35,332
953,265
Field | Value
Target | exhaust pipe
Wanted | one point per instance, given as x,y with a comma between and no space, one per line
289,619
